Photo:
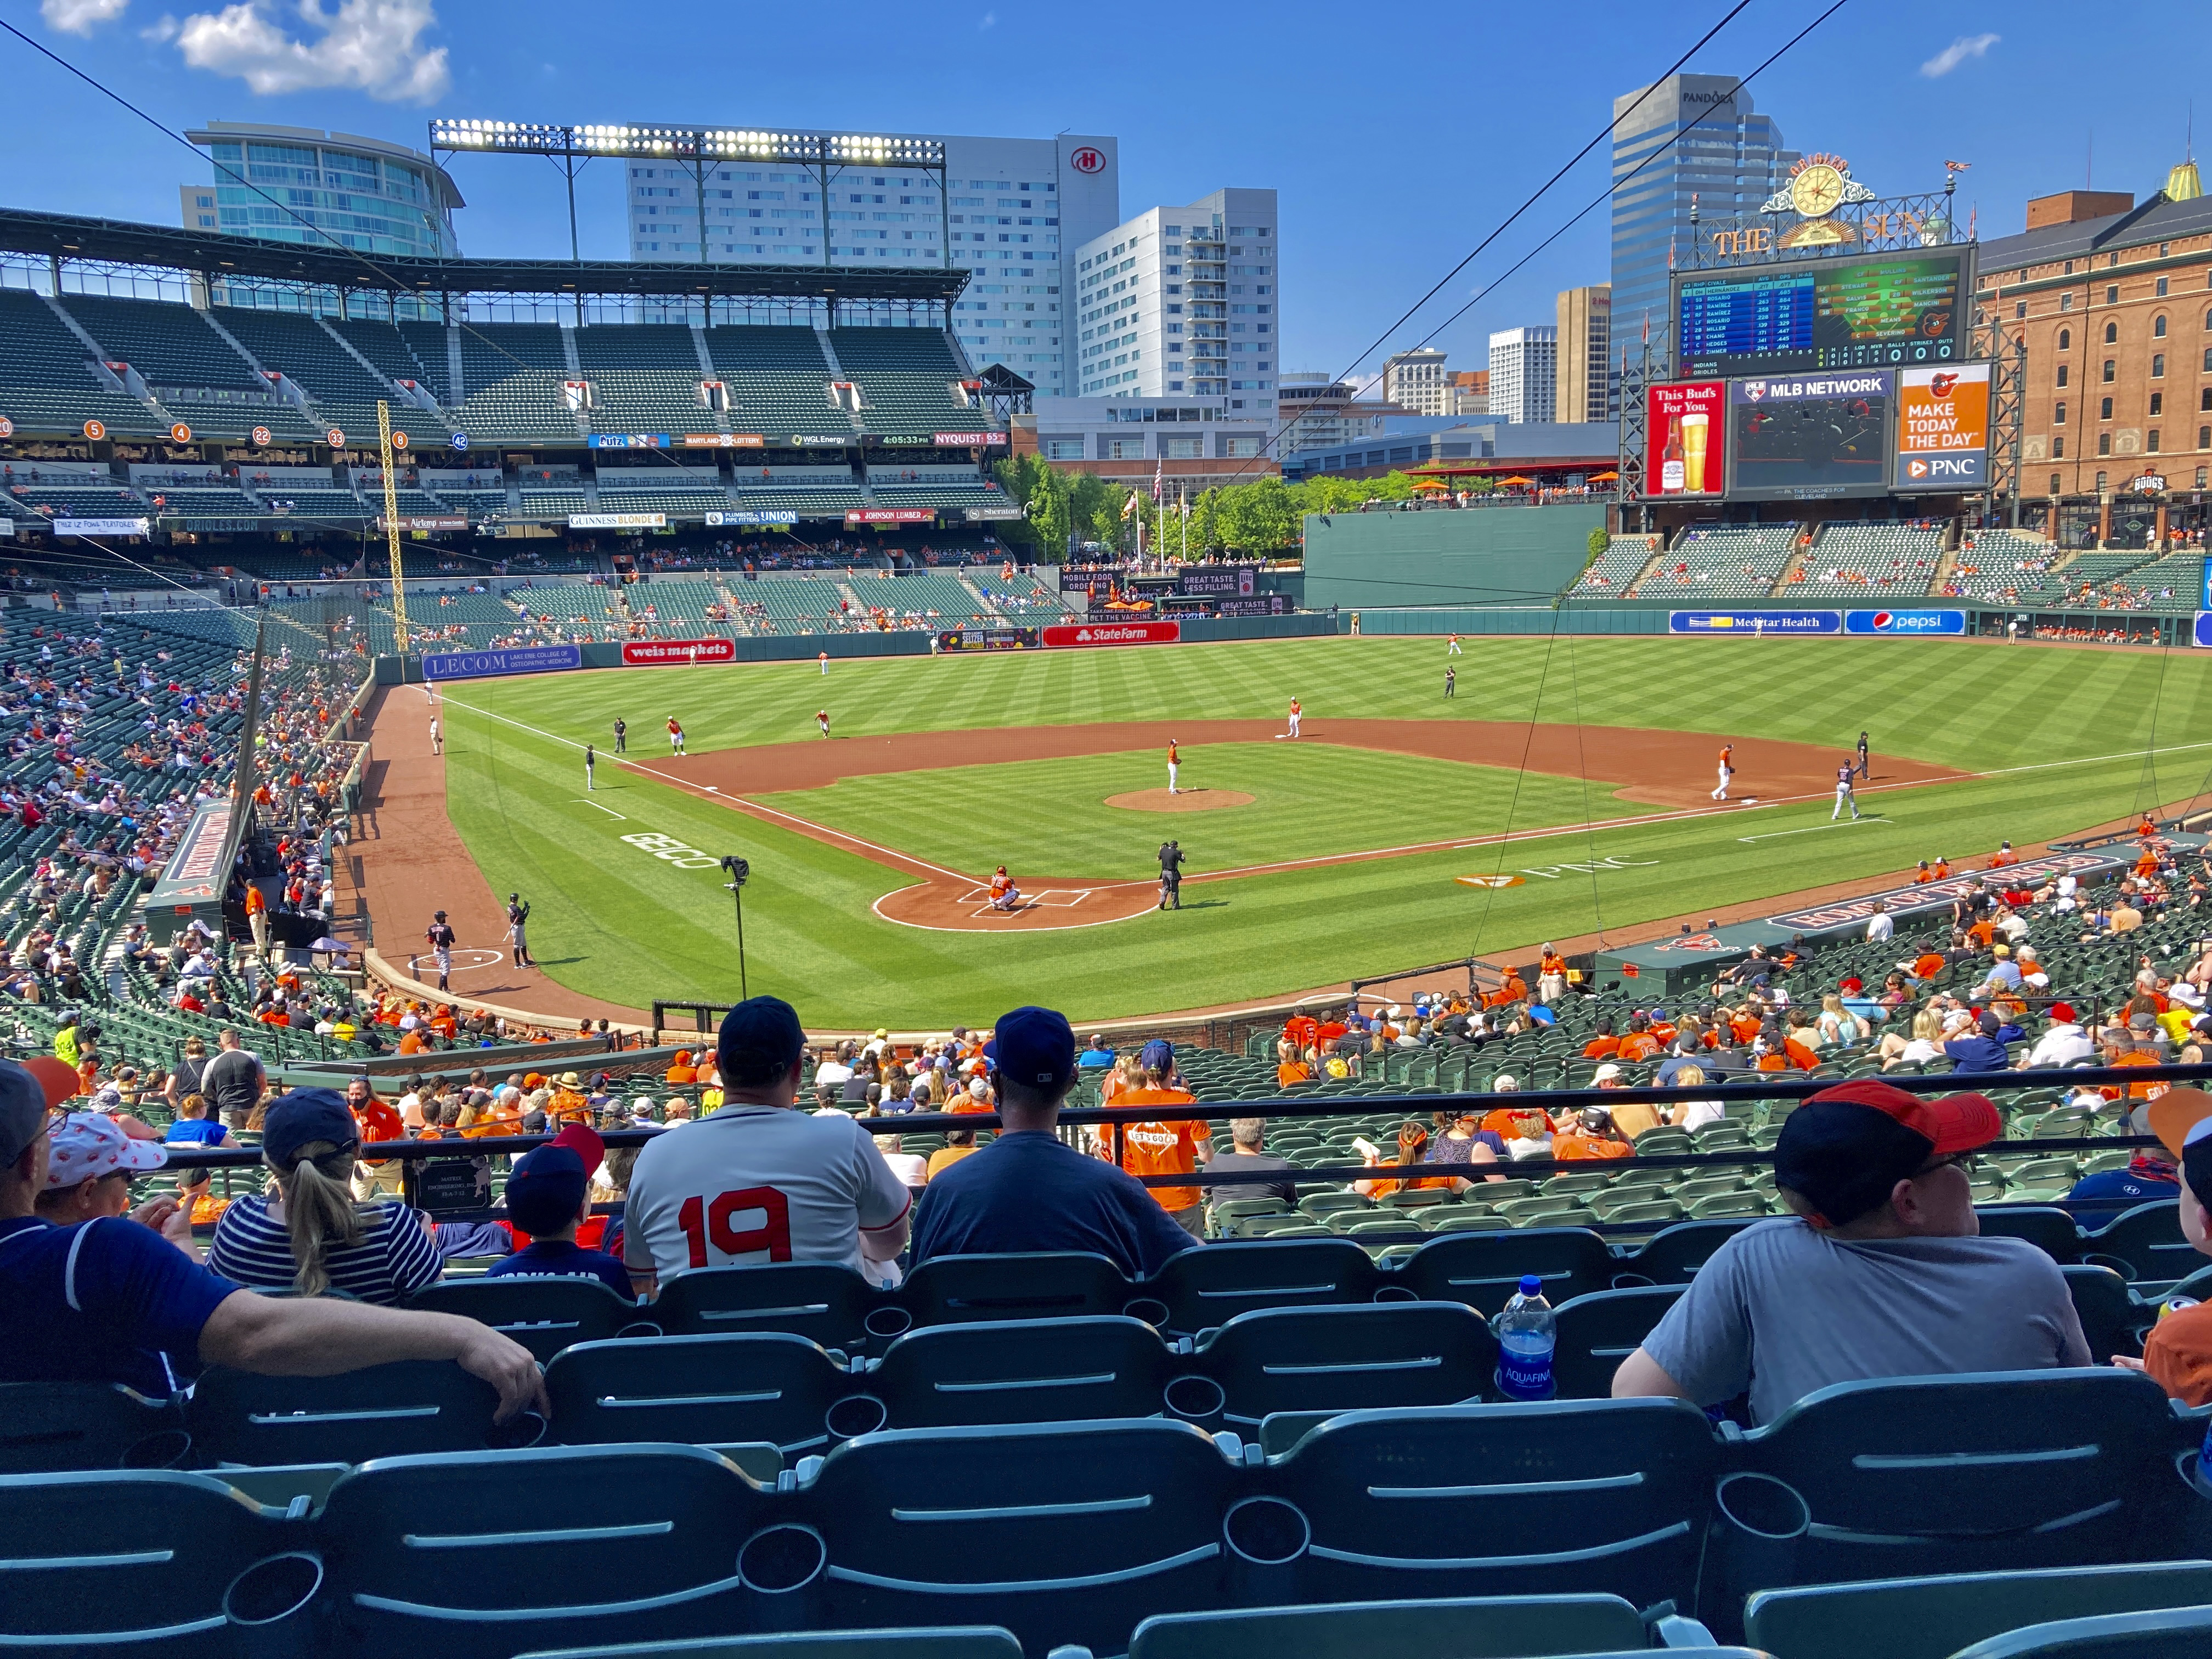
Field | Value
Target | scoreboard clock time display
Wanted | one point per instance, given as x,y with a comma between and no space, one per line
1893,310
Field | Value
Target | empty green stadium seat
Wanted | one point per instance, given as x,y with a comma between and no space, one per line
544,1314
47,1427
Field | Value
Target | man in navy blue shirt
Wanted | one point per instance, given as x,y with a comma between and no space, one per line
110,1300
1028,1191
1978,1048
548,1196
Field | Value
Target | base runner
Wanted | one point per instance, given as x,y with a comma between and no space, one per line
439,938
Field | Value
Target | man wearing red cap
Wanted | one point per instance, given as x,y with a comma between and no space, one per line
1881,1273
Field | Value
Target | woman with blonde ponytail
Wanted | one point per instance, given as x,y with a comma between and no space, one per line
309,1236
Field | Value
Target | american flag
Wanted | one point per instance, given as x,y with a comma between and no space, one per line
1159,489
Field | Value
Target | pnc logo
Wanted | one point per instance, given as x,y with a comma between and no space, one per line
1088,159
1916,469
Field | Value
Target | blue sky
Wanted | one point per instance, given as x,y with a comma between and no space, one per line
1398,137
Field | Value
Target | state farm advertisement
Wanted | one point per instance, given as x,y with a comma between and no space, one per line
666,654
1128,633
1943,428
1685,422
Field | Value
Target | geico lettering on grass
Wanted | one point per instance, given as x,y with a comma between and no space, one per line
674,851
1553,871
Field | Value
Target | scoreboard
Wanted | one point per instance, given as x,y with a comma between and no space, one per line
1889,310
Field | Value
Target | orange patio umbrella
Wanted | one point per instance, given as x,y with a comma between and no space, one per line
1605,477
1431,483
1516,481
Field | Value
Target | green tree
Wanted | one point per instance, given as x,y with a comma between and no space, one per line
1258,518
1599,541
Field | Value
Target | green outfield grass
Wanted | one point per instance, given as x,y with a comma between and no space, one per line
612,922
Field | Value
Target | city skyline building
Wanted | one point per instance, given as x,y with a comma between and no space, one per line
1415,379
1587,388
329,188
1524,375
1704,143
1179,300
1468,391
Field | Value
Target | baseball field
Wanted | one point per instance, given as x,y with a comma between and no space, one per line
1579,769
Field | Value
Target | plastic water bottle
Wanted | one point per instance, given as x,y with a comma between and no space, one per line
1526,1335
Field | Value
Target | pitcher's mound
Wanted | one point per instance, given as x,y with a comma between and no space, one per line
1184,800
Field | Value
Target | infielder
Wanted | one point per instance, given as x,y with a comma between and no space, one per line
1294,717
437,745
1175,760
518,915
440,936
622,736
1845,796
822,720
591,759
675,735
1727,771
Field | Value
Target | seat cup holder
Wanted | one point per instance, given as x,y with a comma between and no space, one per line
883,1324
1150,1309
524,1429
780,1559
1193,1397
264,1601
1266,1537
1396,1293
855,1414
164,1450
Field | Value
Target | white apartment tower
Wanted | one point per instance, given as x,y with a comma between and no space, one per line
1524,375
1182,300
1013,212
1415,379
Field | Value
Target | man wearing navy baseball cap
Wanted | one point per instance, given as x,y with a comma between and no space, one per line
1881,1272
549,1196
1028,1190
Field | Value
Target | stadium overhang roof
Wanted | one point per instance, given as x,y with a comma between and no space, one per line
115,242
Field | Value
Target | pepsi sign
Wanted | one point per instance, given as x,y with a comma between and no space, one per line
1905,621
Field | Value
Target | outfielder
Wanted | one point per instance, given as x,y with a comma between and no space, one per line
1451,648
1845,795
824,660
1294,717
675,735
1727,771
822,720
1175,760
440,936
591,759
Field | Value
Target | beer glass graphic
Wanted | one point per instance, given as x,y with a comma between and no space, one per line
1696,429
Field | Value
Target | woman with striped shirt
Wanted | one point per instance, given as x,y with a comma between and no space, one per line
309,1236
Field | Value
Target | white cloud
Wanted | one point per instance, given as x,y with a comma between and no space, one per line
1965,46
162,28
988,20
368,45
81,16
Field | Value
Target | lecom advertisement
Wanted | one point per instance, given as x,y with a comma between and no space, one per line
1685,431
1943,428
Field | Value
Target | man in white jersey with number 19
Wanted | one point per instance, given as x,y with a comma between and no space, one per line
758,1181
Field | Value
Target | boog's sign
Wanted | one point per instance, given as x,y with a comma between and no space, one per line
1128,633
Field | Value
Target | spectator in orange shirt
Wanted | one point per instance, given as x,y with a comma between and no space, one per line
1639,1043
1160,1147
2002,856
1290,1067
1412,1147
682,1071
1551,977
1605,1045
1795,1044
1592,1137
374,1177
1927,965
1924,873
1942,868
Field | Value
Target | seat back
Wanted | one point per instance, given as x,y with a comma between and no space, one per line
543,1313
822,1301
2152,1635
2046,1226
1063,1534
1598,1331
2112,1321
49,1426
1198,1290
1557,1498
2144,1245
766,1388
148,1561
1973,1473
1470,1627
383,1410
1018,1371
956,1641
487,1555
1482,1270
1330,1359
1934,1618
1673,1256
947,1290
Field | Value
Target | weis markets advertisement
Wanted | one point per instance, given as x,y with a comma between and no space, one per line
1685,421
663,653
1943,428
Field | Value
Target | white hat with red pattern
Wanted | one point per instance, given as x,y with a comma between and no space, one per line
88,1145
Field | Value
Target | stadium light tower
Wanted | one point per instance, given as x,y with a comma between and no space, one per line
699,151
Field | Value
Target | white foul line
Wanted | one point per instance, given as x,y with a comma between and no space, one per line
1813,829
584,801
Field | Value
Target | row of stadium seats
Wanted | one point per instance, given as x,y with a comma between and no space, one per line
1075,1532
1893,560
1722,563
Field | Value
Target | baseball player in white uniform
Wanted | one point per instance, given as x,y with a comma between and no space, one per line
1294,717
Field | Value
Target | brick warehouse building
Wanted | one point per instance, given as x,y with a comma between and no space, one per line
2115,302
